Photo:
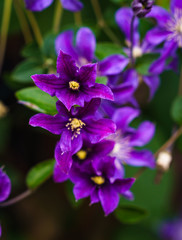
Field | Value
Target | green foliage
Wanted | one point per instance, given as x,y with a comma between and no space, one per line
40,173
37,100
176,110
130,214
102,80
105,49
144,62
48,48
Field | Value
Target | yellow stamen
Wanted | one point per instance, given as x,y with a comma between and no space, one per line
74,85
99,180
82,154
75,125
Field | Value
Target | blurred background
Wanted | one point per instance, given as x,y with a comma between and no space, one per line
51,213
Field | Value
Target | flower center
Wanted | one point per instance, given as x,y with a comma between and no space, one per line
74,85
99,180
137,52
175,27
82,154
75,125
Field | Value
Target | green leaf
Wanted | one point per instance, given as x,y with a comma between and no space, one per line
40,173
102,80
105,49
32,51
37,100
176,110
143,63
24,70
130,214
48,48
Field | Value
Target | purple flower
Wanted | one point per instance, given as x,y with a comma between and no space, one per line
123,18
39,5
127,138
142,7
84,51
5,186
96,179
71,85
171,230
168,30
75,125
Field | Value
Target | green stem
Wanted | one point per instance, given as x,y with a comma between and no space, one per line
102,24
23,22
57,17
35,28
4,29
78,18
180,83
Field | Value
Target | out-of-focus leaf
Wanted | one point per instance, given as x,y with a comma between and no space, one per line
4,132
23,72
105,49
143,63
40,173
37,100
176,110
48,48
130,214
102,80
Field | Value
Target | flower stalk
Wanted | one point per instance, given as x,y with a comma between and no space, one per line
57,17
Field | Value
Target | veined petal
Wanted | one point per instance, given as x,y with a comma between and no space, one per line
143,134
58,175
86,43
109,198
98,91
123,116
66,67
48,83
89,108
176,4
64,42
53,124
83,189
94,197
123,185
88,74
156,36
112,65
37,5
72,5
142,158
98,130
161,15
123,18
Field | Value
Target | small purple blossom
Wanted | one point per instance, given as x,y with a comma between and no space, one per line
5,186
84,51
171,230
75,125
95,179
39,5
71,85
142,7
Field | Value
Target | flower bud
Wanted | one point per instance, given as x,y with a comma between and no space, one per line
142,7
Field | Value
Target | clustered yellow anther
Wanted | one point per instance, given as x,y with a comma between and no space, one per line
74,85
99,180
82,154
75,125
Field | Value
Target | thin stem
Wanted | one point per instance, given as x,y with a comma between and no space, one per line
165,146
131,39
17,198
4,29
78,18
35,28
23,22
102,24
57,17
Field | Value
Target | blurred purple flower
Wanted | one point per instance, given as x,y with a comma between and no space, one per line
5,186
168,30
75,125
142,7
71,85
172,230
97,179
84,52
39,5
